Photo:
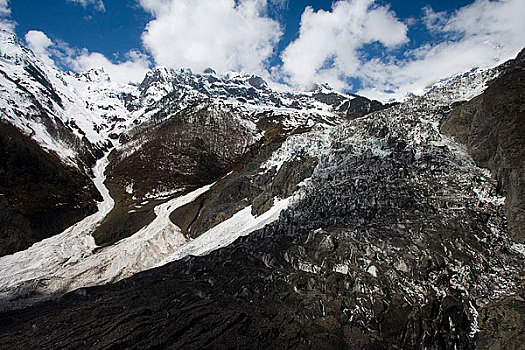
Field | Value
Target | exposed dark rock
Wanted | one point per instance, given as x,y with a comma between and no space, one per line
397,240
492,126
248,185
184,151
41,78
40,196
257,82
228,196
502,324
291,174
389,246
361,106
350,106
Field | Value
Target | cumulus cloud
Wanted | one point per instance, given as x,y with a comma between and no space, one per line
223,34
4,8
40,44
482,34
99,4
331,44
327,48
5,17
155,7
434,21
132,69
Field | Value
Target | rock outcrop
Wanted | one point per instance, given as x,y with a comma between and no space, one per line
492,127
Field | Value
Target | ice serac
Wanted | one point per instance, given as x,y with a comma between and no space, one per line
395,238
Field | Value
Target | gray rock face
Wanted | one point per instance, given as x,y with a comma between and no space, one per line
492,126
247,185
183,151
504,324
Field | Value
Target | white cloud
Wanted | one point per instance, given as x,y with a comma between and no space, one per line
482,34
328,42
40,44
5,17
332,45
239,35
131,70
155,7
99,4
4,8
222,34
434,21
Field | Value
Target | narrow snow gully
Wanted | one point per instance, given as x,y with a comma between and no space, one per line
240,224
30,272
68,261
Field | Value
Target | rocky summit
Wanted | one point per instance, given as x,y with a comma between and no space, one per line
216,211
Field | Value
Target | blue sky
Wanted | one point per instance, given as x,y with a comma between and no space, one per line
118,28
378,48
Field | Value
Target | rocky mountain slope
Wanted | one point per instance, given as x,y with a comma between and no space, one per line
274,223
50,139
492,127
175,132
193,129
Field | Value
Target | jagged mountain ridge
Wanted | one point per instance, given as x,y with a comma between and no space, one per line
396,239
78,117
389,235
250,90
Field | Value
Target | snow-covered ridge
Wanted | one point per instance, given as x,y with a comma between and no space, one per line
161,86
64,112
74,113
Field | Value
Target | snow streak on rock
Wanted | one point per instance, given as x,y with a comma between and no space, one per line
40,269
225,233
70,260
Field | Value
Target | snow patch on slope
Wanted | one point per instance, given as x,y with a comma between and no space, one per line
136,253
240,224
69,261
